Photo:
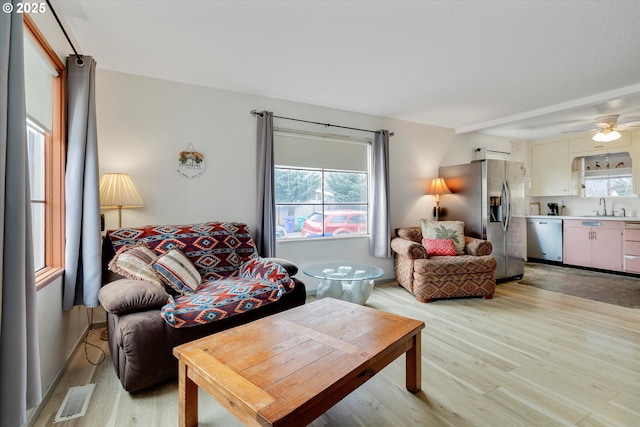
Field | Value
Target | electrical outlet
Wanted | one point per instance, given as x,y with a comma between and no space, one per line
564,203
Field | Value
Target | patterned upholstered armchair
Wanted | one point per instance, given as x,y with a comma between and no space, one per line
429,278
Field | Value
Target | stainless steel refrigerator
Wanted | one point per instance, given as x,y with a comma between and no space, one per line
488,195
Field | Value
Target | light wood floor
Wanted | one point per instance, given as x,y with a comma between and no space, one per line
528,357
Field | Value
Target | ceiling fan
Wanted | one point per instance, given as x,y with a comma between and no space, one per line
608,129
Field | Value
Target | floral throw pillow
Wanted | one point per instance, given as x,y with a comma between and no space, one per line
445,230
439,247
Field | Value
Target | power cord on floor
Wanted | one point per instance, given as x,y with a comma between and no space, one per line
102,356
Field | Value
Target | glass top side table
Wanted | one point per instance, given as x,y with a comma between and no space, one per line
346,281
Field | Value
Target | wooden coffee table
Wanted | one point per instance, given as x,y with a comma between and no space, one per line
290,368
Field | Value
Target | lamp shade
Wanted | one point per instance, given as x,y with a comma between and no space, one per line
606,135
437,187
117,191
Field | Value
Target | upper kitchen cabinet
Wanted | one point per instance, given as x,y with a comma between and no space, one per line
586,145
583,167
550,168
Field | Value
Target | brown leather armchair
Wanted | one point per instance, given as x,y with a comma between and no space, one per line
435,277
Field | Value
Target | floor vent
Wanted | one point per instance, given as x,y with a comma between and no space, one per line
75,403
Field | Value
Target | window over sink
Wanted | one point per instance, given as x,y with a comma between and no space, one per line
603,175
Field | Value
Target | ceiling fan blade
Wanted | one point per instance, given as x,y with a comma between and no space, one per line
631,123
581,131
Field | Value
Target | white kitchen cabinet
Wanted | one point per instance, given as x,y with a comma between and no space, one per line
550,168
593,243
587,146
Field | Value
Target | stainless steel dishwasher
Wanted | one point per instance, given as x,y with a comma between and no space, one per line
544,239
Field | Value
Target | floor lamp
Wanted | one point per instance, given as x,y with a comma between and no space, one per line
117,192
438,187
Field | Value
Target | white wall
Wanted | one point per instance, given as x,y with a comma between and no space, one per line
59,331
143,124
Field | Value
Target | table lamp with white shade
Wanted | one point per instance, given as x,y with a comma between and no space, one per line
438,187
117,192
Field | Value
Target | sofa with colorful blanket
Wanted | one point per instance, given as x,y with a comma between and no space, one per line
170,284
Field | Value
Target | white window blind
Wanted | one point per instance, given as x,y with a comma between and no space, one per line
38,84
319,152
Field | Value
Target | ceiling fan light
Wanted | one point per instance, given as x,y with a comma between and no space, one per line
606,135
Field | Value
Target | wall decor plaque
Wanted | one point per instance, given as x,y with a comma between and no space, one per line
190,163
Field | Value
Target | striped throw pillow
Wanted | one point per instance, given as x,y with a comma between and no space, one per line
177,272
134,262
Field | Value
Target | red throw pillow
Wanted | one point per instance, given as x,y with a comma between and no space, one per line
439,247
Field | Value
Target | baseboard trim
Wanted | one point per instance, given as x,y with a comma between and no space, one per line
98,325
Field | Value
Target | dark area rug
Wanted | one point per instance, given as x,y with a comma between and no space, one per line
593,285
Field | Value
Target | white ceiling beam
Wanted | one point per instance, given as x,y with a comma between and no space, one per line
584,102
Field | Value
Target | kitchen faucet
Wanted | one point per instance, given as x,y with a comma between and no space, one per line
601,202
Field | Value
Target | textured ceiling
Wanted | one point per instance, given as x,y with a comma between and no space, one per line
521,69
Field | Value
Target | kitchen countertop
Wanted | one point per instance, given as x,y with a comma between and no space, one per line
588,217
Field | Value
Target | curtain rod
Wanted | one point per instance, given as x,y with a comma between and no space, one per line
256,113
79,59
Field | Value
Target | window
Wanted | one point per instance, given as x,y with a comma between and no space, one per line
321,186
44,90
603,175
36,138
610,183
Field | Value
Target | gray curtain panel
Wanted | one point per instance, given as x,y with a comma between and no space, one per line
82,274
266,215
19,360
380,229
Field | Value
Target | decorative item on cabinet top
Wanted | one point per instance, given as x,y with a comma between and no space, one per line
603,175
603,161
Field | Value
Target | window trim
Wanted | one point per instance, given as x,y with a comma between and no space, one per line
55,161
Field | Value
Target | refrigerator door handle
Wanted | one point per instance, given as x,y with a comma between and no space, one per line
506,200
